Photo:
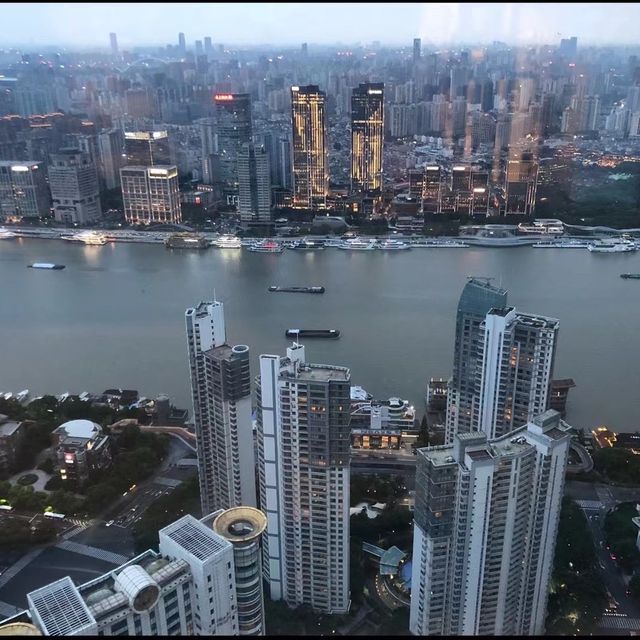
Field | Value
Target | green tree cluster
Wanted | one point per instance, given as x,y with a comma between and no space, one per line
136,456
578,597
619,465
620,534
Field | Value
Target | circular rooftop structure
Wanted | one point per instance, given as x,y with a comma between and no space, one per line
240,524
143,592
20,629
81,429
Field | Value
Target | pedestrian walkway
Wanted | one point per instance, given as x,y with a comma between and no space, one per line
92,552
7,610
619,622
590,505
167,482
19,565
605,495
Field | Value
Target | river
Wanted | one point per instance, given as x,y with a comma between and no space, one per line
115,316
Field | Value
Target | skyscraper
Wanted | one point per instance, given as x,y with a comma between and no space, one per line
303,465
221,392
367,138
486,521
182,43
147,148
517,365
23,190
151,194
503,364
73,181
113,41
310,167
521,182
417,49
243,527
110,160
233,129
254,186
477,299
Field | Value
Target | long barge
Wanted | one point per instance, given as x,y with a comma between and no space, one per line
275,289
312,333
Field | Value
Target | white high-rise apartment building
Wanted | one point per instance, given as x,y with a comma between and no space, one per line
486,521
188,588
221,393
303,465
503,364
515,375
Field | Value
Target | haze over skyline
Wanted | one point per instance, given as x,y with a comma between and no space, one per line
87,24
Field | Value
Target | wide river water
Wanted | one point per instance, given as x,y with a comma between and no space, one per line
115,316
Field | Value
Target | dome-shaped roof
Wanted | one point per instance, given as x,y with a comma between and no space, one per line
80,429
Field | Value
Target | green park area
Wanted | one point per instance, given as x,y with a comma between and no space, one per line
578,597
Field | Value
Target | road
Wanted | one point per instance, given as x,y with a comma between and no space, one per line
90,548
596,501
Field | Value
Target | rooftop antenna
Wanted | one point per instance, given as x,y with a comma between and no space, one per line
214,295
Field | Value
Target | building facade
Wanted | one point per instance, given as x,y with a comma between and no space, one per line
187,589
367,138
303,466
110,157
486,521
310,163
81,447
254,186
221,394
233,129
23,190
514,377
147,148
151,194
478,297
73,181
503,364
521,183
243,528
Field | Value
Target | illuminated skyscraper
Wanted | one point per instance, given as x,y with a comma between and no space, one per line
521,182
310,166
151,194
367,137
23,190
233,129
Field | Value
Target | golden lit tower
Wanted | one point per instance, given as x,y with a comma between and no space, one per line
367,137
310,167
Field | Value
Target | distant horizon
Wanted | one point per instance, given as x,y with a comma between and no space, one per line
78,26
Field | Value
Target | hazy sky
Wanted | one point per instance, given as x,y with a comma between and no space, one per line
293,23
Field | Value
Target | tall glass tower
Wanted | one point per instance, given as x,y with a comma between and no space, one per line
310,166
367,138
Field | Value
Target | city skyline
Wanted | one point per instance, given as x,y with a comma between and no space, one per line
320,23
